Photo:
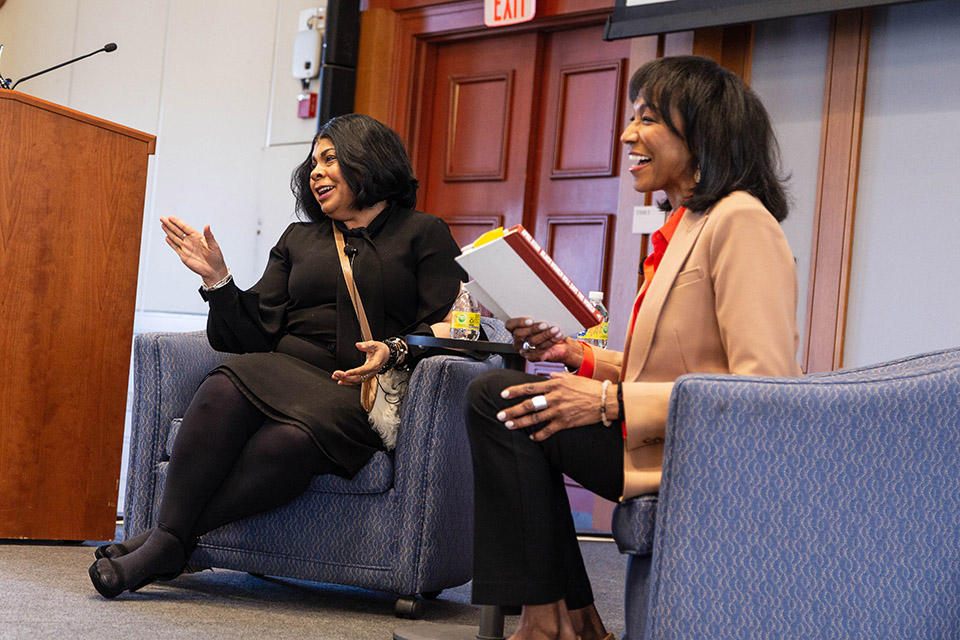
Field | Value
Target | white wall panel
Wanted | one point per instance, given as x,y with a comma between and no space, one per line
122,86
196,75
210,148
789,61
904,289
36,35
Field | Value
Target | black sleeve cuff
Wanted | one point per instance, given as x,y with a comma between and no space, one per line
221,295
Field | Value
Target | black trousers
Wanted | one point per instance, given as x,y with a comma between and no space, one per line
525,545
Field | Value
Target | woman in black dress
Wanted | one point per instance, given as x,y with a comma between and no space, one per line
263,423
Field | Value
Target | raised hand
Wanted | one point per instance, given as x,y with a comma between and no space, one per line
198,251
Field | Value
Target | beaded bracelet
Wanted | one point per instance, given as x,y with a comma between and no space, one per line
219,283
398,354
603,404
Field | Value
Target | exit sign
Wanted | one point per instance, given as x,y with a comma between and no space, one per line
498,13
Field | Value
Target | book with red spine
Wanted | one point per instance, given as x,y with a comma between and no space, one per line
514,277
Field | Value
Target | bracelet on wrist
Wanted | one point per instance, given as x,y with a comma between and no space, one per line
222,282
404,350
603,404
398,354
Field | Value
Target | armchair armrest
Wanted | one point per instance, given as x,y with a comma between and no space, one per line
433,471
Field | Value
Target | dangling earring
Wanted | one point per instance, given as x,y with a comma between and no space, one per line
696,175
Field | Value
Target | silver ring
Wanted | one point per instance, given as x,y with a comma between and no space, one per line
184,237
526,346
539,402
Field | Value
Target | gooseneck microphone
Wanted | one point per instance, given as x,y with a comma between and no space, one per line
109,47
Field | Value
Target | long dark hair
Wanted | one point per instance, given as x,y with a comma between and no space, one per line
725,127
373,162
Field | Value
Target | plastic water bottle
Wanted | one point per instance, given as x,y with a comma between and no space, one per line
597,336
466,318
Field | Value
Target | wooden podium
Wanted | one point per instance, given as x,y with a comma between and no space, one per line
71,209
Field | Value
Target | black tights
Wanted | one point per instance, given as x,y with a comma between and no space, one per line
230,461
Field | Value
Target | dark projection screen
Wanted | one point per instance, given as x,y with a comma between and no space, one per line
633,18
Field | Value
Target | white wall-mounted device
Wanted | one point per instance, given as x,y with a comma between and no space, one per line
306,54
306,47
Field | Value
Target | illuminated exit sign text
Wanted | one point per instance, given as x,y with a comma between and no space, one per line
498,13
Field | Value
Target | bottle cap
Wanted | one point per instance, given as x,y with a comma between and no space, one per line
595,295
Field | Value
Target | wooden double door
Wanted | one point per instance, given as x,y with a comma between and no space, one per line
524,129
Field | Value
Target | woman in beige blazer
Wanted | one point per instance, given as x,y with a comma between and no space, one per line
720,296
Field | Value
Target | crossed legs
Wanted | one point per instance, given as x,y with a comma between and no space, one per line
525,547
229,461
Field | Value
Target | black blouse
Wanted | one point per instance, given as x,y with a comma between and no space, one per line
404,271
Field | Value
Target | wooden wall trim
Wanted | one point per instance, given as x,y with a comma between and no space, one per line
378,28
731,46
844,92
606,221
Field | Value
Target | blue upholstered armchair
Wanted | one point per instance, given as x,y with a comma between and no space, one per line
826,506
402,525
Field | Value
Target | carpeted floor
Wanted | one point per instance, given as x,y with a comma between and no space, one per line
45,593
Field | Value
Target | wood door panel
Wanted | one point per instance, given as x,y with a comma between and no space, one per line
476,127
588,121
580,245
480,128
579,133
466,229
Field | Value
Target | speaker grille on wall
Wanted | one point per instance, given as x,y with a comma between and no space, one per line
338,61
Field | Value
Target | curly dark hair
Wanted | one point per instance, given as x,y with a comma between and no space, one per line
725,127
373,162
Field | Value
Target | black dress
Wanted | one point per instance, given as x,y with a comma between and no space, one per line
297,324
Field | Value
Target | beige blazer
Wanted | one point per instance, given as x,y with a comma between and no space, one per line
724,300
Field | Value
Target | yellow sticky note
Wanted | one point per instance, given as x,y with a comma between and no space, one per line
488,236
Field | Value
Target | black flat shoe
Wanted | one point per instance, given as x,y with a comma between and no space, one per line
112,592
117,549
